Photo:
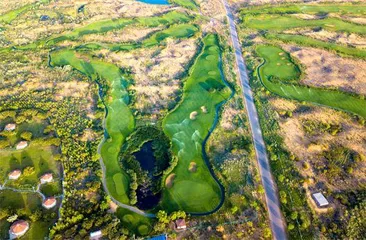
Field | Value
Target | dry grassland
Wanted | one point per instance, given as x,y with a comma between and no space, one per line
325,69
308,148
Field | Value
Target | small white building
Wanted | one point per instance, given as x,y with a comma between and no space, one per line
15,174
320,200
10,127
96,235
49,203
22,145
46,178
18,229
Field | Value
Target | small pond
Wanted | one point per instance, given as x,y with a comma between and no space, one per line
159,2
146,199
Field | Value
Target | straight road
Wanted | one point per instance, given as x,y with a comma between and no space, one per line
278,225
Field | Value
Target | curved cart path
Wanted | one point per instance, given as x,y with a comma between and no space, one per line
276,219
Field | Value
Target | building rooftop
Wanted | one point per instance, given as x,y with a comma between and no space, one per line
19,227
22,144
180,223
47,177
15,173
49,202
10,127
320,199
96,234
160,237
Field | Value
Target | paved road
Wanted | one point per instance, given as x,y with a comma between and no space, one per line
275,216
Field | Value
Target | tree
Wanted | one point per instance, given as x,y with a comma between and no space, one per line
26,136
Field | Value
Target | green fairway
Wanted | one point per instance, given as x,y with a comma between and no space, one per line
109,25
119,122
308,41
187,126
335,99
134,222
281,23
309,9
177,31
10,16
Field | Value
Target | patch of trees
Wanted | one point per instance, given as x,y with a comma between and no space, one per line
316,127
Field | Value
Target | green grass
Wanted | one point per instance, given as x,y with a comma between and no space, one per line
119,122
196,192
190,4
308,41
134,222
177,31
11,15
281,23
41,158
30,202
331,98
309,9
51,189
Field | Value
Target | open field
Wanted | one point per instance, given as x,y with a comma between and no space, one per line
187,126
335,99
190,4
281,23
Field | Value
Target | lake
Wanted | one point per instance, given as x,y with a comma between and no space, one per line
159,2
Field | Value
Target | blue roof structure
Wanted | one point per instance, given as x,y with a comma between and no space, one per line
160,237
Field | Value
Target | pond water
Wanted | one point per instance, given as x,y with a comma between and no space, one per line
160,2
146,199
146,157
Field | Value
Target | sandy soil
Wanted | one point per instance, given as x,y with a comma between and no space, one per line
262,2
325,69
28,28
156,72
6,6
308,148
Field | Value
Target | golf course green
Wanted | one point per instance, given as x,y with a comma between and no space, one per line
119,121
276,71
191,186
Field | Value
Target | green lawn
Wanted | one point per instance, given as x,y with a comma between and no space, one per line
308,41
30,202
331,98
134,222
195,192
309,9
282,22
40,157
11,15
119,122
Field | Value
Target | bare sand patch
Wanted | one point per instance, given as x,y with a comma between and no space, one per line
192,167
169,180
325,69
193,115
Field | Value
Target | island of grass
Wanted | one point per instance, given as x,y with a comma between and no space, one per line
195,191
278,73
135,223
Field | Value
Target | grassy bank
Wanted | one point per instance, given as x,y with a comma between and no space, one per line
331,98
195,191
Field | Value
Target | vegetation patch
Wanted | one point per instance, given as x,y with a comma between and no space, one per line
134,222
